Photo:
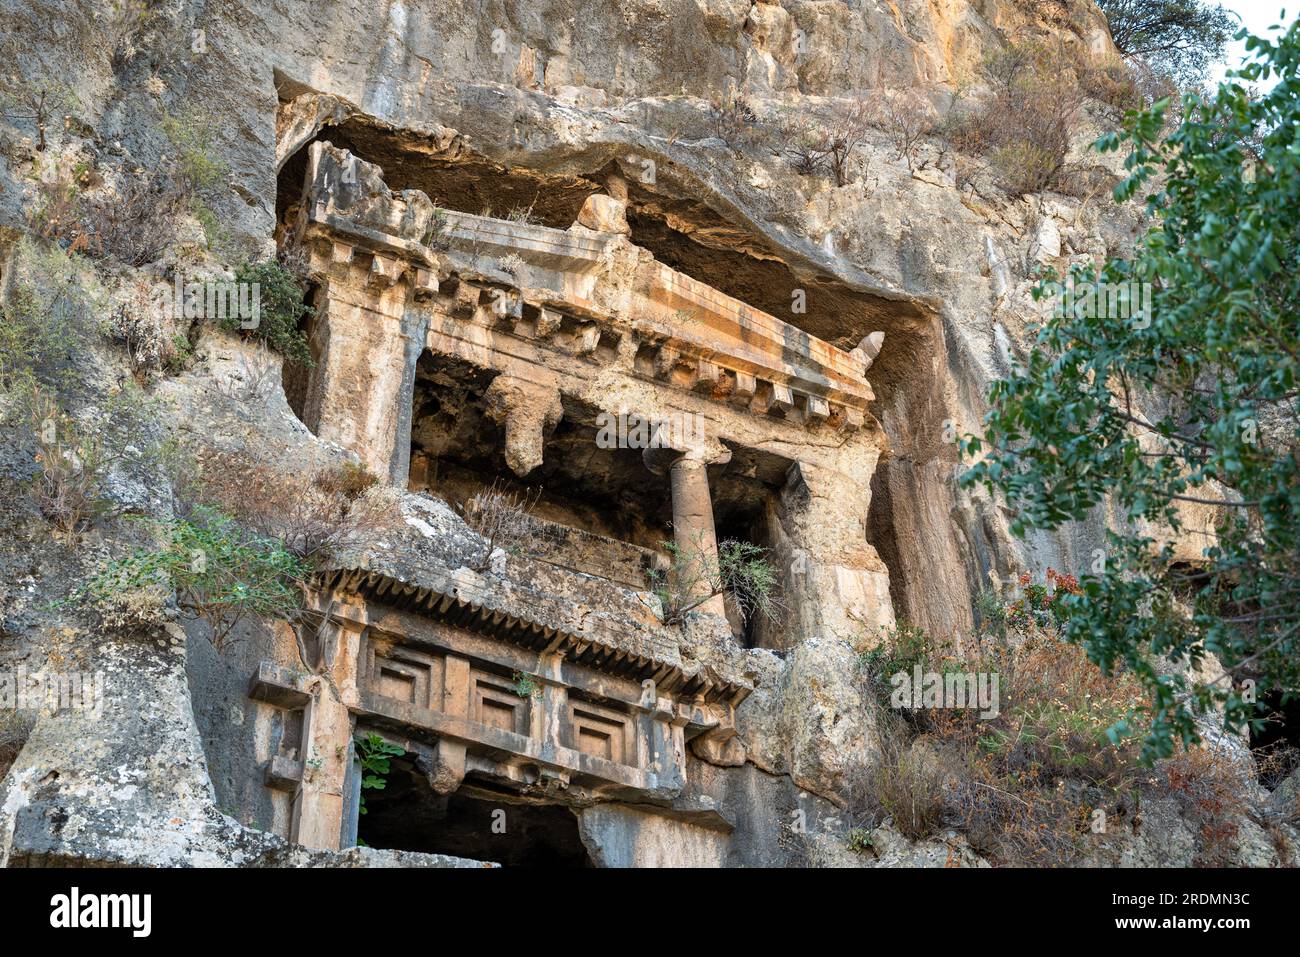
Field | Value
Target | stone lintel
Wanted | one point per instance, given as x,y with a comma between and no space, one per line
590,675
465,731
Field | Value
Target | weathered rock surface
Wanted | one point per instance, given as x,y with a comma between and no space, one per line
551,106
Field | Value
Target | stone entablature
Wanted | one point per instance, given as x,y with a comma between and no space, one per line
593,294
621,647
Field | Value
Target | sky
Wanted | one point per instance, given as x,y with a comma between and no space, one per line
1256,16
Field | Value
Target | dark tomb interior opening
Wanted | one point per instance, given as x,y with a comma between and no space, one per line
406,814
605,513
746,495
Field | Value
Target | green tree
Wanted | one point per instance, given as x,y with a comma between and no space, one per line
1192,402
1177,38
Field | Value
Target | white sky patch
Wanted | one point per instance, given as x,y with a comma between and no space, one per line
1257,16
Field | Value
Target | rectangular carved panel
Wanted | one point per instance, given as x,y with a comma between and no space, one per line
600,732
402,673
496,704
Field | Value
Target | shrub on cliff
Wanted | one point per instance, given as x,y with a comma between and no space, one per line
1026,780
39,320
281,309
740,571
222,573
138,219
1024,129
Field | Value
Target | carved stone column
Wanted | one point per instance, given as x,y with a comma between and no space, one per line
693,530
367,253
327,733
838,585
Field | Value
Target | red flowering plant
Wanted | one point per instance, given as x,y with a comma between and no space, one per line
1042,604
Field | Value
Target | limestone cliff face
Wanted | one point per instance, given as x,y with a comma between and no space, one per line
507,105
557,91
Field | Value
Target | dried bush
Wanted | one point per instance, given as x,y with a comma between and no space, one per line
56,214
257,377
136,221
145,328
906,119
1117,87
316,514
903,783
27,97
1024,130
504,518
74,470
733,119
1276,762
826,143
350,480
1208,787
132,608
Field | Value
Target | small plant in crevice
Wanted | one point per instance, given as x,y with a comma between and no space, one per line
374,756
524,215
859,841
526,685
190,135
438,233
739,570
15,727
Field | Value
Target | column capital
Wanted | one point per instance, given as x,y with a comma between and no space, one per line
661,460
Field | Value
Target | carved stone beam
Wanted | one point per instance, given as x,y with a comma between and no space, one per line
773,398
